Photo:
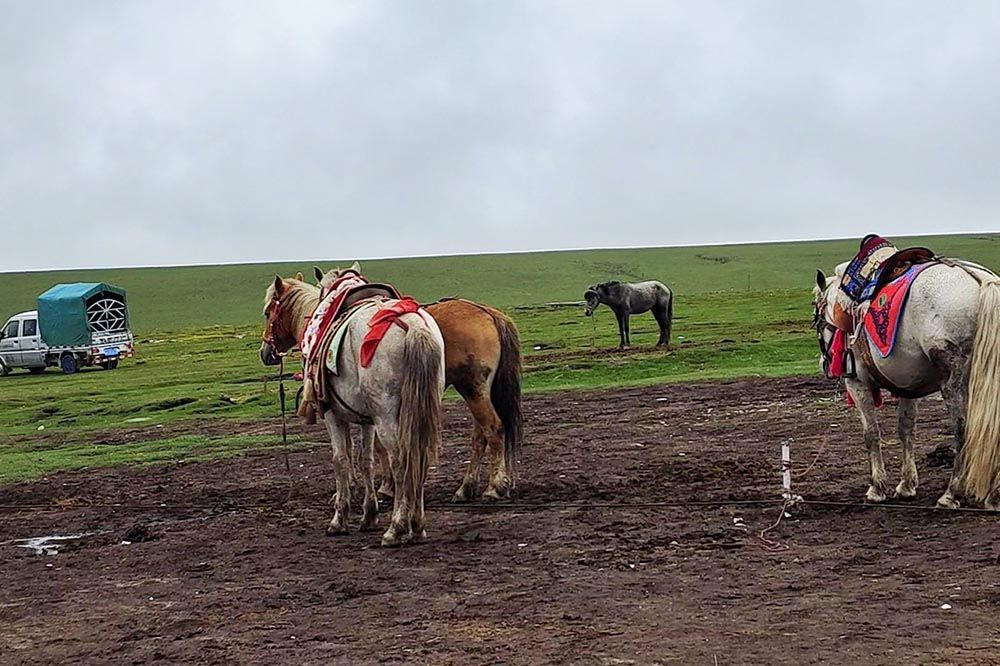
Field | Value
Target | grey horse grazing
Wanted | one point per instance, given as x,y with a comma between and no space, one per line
948,340
629,298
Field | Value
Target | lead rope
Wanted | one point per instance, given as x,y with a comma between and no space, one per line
284,426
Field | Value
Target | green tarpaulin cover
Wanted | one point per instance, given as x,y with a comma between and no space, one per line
62,312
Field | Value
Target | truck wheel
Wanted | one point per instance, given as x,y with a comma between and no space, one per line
68,363
4,370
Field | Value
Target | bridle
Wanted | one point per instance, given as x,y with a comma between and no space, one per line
275,328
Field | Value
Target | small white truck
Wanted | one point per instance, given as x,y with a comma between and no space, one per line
75,325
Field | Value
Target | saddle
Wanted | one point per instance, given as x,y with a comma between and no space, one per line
877,264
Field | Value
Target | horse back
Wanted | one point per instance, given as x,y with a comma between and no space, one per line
472,345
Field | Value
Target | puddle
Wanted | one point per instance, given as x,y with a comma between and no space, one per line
48,545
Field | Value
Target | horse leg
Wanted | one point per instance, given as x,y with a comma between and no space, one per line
370,507
628,331
489,435
955,391
621,329
660,315
907,418
399,531
878,488
340,437
387,488
467,491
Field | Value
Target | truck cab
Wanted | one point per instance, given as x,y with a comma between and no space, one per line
21,344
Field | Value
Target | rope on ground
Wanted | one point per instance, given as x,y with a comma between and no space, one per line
222,507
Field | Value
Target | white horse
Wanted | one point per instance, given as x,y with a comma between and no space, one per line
397,396
948,340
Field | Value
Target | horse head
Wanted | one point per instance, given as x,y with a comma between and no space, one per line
593,298
824,294
286,303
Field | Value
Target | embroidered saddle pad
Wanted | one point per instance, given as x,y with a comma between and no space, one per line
887,305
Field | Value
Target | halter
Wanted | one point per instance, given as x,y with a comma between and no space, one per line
276,326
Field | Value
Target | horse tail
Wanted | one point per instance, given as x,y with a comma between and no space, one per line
505,393
981,451
419,410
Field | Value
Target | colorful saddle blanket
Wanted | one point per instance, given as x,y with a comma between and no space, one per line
887,305
863,269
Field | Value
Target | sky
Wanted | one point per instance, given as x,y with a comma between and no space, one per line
186,132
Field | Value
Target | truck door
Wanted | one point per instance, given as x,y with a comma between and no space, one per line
32,352
10,345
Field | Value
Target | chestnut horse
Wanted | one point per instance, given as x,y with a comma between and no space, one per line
483,362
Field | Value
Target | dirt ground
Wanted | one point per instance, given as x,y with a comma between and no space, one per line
227,562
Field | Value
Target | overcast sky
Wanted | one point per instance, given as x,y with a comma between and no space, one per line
139,133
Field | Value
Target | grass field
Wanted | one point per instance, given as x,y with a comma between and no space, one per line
740,311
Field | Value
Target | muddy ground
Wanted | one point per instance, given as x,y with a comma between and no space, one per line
227,562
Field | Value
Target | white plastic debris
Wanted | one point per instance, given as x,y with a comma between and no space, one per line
945,606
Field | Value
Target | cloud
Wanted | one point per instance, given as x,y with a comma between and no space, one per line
159,133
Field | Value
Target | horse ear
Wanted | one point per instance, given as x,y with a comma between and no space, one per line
356,267
820,279
279,285
300,277
318,272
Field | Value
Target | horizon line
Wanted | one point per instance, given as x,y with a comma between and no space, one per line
474,254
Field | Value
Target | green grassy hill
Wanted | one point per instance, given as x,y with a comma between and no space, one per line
180,298
741,311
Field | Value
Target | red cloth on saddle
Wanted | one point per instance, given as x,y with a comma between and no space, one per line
882,318
838,354
380,324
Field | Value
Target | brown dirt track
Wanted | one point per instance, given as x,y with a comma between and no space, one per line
227,571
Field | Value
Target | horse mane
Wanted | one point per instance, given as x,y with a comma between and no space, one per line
298,296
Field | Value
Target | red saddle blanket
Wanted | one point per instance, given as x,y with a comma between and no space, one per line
380,324
882,318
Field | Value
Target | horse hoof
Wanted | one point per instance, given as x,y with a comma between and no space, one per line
948,501
390,539
491,495
464,494
368,524
874,496
905,491
336,530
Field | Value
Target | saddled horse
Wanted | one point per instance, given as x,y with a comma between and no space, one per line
396,394
947,340
483,362
629,298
